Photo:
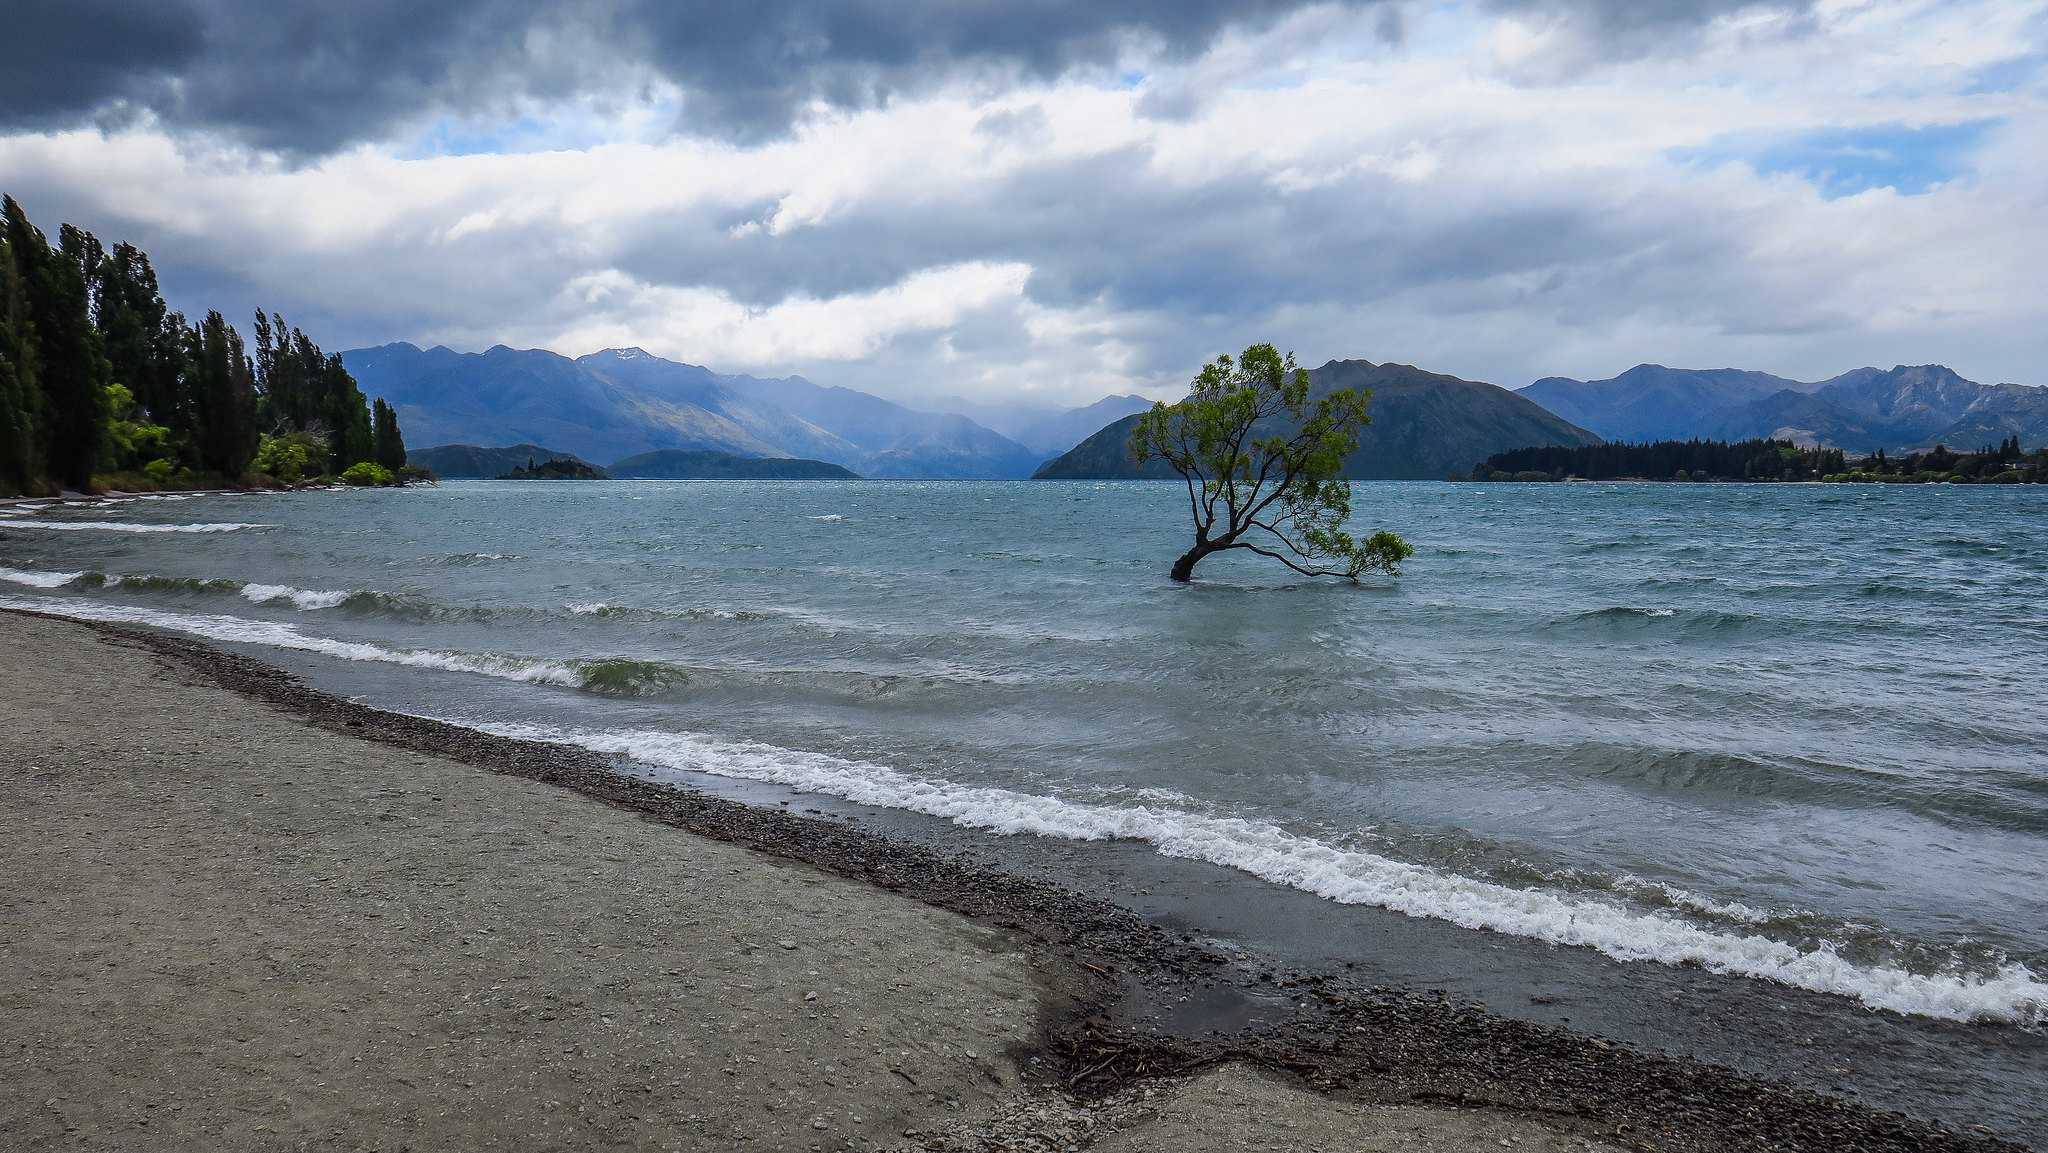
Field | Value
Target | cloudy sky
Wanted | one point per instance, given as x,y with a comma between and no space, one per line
1056,199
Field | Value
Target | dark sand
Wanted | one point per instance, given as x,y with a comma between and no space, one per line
273,919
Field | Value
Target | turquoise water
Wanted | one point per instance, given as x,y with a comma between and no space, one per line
1793,732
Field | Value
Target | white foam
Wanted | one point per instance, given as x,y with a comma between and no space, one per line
1343,875
302,598
829,516
41,580
236,630
589,608
118,526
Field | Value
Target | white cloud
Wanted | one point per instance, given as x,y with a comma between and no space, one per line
613,310
1484,198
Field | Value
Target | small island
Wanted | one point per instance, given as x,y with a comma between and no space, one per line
679,464
564,469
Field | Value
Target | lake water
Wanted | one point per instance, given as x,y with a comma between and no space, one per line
1789,732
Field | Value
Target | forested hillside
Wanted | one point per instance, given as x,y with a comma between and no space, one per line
1425,426
101,384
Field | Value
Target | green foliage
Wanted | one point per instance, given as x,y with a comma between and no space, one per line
365,473
387,444
2005,464
97,372
1264,466
70,367
292,456
1766,460
159,470
20,397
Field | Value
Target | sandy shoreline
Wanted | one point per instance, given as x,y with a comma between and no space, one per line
270,907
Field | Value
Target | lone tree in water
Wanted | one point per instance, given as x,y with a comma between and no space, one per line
1264,466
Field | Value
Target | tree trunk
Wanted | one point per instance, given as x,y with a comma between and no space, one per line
1184,568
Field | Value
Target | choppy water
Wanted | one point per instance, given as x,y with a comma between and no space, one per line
1793,732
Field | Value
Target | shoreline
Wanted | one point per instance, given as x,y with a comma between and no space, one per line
1342,1037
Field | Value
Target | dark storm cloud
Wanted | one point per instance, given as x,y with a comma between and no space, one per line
1231,246
59,59
313,75
305,75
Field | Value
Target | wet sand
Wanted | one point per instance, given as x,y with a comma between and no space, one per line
270,918
225,929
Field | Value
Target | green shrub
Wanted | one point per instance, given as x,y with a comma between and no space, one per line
292,457
364,474
1530,477
159,470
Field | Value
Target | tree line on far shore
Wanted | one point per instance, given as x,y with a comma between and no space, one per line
1764,460
1664,460
102,385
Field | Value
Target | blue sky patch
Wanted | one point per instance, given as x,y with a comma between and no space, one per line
1846,161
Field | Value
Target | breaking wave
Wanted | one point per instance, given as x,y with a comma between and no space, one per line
122,526
301,598
1348,876
41,580
609,677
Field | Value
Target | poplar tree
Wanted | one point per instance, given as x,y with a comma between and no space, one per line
77,319
348,414
20,398
224,386
145,341
389,445
71,371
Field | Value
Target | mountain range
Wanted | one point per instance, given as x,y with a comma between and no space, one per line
1907,407
623,402
1425,426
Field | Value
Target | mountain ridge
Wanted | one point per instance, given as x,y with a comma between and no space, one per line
622,402
1906,407
1425,427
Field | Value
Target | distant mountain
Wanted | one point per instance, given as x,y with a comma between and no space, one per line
1047,430
1056,434
460,460
894,441
623,402
676,464
762,427
1907,407
1651,402
1003,416
1425,426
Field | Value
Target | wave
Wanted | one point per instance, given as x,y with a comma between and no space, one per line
1679,623
609,677
255,593
300,598
41,580
1348,876
121,526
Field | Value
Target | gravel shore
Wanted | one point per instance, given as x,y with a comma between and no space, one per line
243,914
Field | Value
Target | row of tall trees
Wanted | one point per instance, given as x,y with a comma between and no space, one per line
98,376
